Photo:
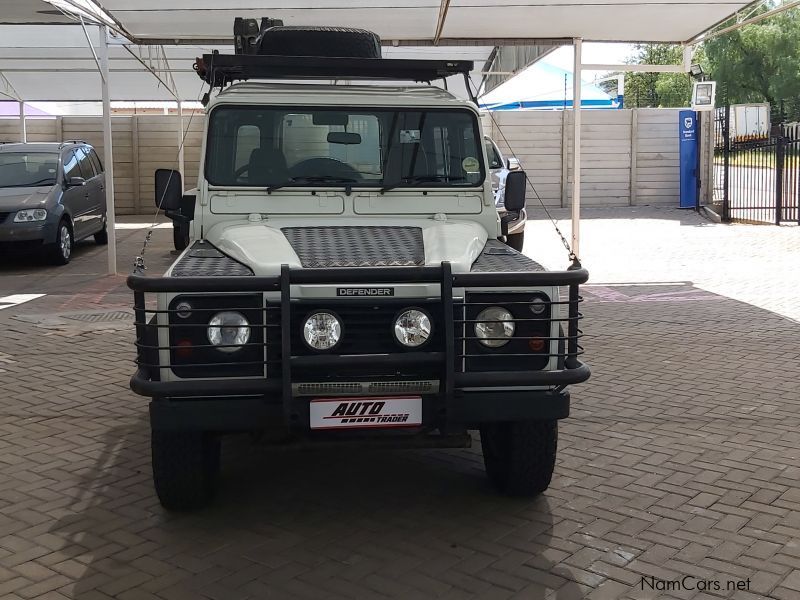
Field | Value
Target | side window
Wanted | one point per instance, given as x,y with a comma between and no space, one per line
71,168
494,158
84,164
98,166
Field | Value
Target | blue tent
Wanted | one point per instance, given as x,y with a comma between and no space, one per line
544,86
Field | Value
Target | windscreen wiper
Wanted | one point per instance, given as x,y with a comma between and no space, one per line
418,179
312,179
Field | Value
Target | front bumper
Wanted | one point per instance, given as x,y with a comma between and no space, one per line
234,414
514,224
42,232
462,399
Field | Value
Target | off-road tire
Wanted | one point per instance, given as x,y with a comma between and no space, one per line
101,237
185,468
516,241
55,252
180,236
320,41
520,456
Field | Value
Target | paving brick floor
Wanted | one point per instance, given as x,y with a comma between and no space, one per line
681,458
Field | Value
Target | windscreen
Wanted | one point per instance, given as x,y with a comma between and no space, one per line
28,169
358,147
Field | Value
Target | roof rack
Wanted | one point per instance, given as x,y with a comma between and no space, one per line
219,70
65,142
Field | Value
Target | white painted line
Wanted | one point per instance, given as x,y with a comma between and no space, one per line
16,299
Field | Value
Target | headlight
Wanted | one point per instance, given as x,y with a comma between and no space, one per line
322,330
494,327
412,328
30,214
229,330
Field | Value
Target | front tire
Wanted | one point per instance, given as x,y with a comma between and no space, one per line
180,236
185,468
520,456
101,237
61,252
516,241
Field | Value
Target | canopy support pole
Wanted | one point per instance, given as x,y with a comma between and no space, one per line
180,142
576,146
23,130
108,155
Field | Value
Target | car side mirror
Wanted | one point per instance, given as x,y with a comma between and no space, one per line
514,199
169,189
512,164
75,182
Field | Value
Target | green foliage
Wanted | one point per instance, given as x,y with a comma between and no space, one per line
657,90
759,62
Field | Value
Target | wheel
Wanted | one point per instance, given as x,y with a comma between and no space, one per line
185,468
320,41
60,252
520,456
516,241
180,236
101,237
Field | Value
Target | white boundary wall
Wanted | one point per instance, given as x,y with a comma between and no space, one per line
630,157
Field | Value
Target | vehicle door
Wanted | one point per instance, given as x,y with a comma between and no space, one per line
94,187
497,169
76,197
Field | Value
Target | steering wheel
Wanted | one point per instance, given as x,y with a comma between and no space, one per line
243,169
324,166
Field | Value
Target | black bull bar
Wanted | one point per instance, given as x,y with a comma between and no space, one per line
571,370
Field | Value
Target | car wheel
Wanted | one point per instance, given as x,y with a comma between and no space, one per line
320,41
61,252
180,236
516,241
185,468
101,237
520,456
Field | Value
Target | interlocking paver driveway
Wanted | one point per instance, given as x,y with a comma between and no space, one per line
682,456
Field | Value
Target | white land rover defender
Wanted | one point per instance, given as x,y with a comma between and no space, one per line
346,278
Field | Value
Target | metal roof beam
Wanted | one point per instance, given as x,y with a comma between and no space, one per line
7,90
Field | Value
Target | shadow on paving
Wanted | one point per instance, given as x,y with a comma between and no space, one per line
347,523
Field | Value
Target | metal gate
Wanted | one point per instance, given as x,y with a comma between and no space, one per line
757,177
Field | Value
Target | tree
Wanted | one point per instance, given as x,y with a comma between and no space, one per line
657,90
759,62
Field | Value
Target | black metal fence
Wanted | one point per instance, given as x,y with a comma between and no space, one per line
757,177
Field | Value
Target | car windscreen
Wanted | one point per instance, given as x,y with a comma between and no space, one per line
358,147
28,169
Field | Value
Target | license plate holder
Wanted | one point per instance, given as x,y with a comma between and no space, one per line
366,412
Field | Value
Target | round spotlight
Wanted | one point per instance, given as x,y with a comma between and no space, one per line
322,330
495,327
183,310
228,330
538,305
412,328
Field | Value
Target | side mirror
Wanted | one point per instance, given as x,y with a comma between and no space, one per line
75,182
513,164
514,199
169,189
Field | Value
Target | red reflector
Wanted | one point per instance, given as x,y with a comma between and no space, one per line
184,348
536,344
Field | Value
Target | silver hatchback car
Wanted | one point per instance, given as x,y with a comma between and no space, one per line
51,194
500,167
